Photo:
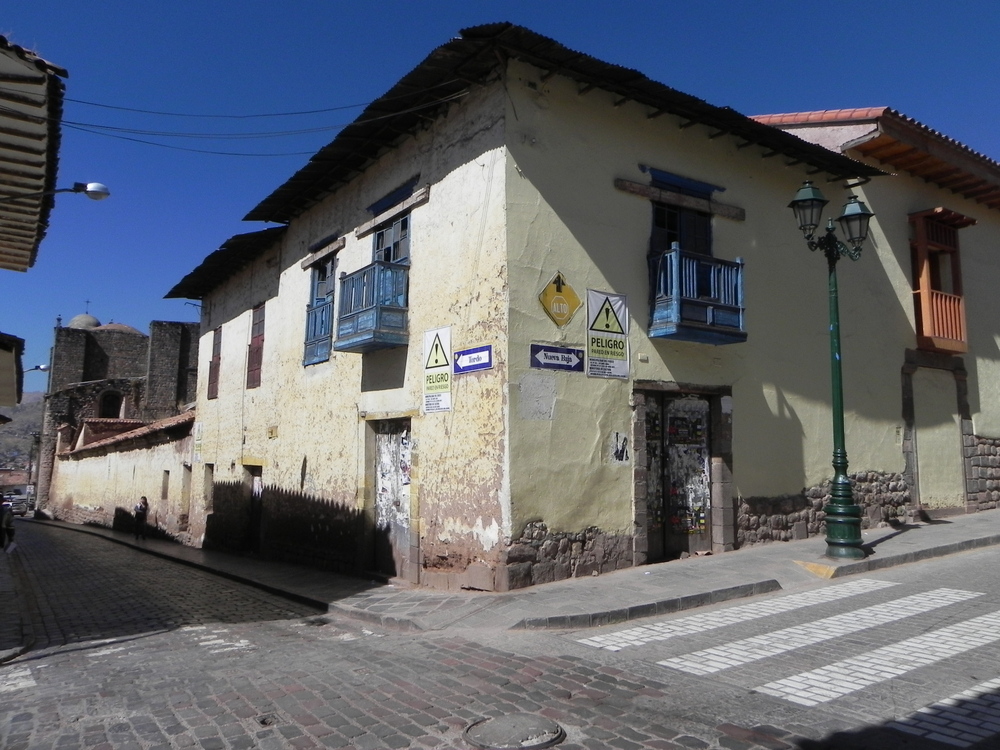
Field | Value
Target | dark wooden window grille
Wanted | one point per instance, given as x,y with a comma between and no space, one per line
256,355
215,364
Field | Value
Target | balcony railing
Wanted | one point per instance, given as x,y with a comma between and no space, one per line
697,298
373,303
944,328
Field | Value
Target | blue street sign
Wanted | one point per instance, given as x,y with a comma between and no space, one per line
556,358
470,360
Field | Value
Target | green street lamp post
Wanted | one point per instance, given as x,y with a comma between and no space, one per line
843,517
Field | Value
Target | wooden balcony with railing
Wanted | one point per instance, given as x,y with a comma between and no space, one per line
941,322
373,307
697,298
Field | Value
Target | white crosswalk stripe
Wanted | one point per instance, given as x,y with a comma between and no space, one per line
849,675
760,647
970,718
702,622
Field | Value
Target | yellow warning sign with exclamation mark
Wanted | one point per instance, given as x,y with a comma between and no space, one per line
607,335
437,370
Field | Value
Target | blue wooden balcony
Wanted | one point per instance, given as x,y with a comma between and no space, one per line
697,298
373,303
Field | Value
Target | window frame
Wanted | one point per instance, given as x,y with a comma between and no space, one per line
215,363
320,310
939,308
391,240
255,350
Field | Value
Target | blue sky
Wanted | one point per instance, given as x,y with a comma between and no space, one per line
170,207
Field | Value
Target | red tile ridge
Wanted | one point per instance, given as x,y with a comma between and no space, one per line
825,116
163,424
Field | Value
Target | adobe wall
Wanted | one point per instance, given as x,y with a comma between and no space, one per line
103,486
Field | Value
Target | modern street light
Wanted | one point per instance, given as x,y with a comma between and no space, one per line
43,368
93,190
843,517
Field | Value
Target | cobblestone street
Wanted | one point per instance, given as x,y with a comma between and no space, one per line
137,652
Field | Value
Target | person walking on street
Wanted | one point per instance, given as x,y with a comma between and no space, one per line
141,512
7,529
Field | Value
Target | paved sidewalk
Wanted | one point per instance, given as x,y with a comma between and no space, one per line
576,603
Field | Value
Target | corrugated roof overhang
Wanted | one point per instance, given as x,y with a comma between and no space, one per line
906,145
233,256
31,102
472,59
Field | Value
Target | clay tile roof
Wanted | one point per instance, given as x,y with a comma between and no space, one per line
162,425
906,145
826,116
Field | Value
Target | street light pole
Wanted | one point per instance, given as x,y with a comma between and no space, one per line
93,190
843,517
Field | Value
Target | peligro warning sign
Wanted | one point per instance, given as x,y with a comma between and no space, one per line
607,335
437,370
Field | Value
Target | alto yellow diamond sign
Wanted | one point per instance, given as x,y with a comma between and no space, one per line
560,300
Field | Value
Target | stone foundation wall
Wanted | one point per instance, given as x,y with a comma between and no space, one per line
542,556
982,469
883,497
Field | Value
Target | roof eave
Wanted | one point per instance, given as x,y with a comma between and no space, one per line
473,58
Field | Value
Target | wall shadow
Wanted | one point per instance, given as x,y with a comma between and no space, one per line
292,526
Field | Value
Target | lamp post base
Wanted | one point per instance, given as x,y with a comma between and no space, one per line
843,532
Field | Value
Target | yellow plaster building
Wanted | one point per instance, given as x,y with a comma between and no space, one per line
534,316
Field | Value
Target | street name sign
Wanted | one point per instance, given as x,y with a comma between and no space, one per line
546,357
472,360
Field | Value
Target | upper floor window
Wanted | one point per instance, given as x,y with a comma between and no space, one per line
693,295
321,263
690,229
391,241
319,313
255,356
939,306
215,364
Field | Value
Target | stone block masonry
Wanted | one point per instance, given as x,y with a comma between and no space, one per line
982,471
883,497
542,556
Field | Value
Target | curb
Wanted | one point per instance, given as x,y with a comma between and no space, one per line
661,607
835,570
566,621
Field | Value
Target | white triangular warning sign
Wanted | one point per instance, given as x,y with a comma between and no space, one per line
437,357
606,320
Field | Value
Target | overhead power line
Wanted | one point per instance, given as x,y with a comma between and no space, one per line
126,134
131,134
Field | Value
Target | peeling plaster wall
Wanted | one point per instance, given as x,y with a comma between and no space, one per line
306,426
566,215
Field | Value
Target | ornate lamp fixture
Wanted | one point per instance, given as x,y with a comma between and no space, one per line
843,517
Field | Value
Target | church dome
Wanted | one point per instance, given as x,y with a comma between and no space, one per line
84,320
